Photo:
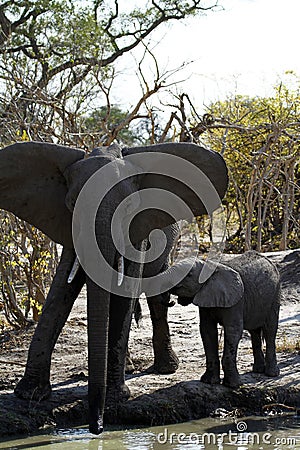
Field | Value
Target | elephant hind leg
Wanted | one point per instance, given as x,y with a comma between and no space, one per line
269,331
259,358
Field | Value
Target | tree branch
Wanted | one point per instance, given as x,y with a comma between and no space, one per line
8,27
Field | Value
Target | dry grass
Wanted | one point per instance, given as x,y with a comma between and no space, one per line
288,345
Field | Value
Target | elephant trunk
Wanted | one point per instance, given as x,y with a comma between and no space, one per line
173,276
98,323
175,279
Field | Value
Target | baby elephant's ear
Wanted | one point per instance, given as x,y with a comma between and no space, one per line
222,290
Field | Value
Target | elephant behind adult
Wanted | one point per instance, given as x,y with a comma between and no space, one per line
40,183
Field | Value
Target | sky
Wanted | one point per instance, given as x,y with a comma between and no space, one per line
246,48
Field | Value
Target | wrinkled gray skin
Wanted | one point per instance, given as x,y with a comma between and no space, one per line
243,294
40,182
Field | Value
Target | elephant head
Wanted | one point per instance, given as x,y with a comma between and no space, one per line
223,289
42,183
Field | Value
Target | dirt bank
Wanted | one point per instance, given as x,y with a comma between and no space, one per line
156,399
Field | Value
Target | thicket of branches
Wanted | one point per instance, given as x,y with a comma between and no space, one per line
260,141
59,57
58,64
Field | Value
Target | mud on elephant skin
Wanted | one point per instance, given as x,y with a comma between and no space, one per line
41,183
243,294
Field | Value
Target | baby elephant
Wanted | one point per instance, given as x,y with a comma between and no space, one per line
241,294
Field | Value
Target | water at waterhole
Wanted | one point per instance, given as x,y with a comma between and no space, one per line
253,433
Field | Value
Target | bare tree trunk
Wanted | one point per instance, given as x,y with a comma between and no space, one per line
288,201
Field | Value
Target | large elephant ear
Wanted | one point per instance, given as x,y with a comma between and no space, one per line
205,164
33,187
223,289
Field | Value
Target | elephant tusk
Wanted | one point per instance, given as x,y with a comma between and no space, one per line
74,270
120,270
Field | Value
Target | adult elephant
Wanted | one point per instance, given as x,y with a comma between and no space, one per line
54,187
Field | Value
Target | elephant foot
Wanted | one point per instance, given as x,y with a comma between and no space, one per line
210,378
30,388
258,368
116,394
272,370
166,363
232,380
233,384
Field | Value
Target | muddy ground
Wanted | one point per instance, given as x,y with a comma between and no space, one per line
156,399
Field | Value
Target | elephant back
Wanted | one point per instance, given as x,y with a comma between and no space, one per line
261,287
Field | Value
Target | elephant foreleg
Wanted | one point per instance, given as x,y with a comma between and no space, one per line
120,315
36,384
165,359
233,329
209,335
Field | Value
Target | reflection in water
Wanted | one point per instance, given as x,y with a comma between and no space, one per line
207,434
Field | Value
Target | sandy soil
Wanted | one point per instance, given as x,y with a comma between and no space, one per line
156,399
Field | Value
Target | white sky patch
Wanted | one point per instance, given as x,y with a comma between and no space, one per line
244,49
